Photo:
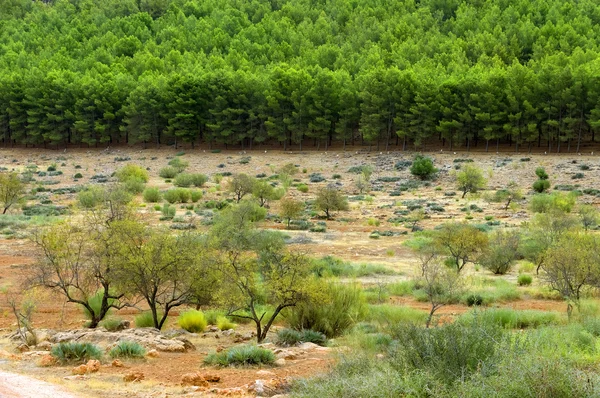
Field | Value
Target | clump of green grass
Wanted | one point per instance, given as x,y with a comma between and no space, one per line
75,352
193,321
144,320
524,280
241,355
127,349
224,323
387,314
112,324
515,319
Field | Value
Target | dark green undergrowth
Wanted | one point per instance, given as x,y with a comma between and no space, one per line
241,355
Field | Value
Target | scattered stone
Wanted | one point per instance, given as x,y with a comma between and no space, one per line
44,346
133,376
220,348
227,332
267,388
265,373
279,362
22,347
308,346
93,365
75,377
213,329
79,370
152,354
47,360
212,378
193,379
117,364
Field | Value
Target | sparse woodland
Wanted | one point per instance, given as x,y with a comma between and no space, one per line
330,273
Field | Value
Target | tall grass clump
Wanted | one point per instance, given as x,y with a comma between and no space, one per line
75,352
144,320
193,321
95,302
391,315
515,319
241,355
225,323
127,349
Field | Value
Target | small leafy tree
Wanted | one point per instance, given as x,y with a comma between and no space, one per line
422,167
414,218
264,192
290,209
470,179
501,253
179,164
255,268
461,242
11,191
240,185
161,268
588,215
508,195
440,283
571,266
330,199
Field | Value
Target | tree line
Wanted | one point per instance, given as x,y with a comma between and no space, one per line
221,72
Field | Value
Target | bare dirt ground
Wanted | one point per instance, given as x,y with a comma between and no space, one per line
347,236
18,386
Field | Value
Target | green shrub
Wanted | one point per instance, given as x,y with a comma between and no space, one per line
179,164
524,280
193,321
290,337
168,212
127,349
302,188
91,197
451,352
224,323
474,300
541,173
168,172
241,355
144,320
541,185
211,316
132,172
196,195
134,185
152,195
343,307
178,195
187,180
78,175
75,352
422,167
112,324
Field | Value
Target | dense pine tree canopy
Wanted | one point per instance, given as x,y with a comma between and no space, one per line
245,72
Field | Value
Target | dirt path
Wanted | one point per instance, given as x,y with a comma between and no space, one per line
18,386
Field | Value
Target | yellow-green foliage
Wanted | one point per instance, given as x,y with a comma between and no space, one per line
193,321
225,324
132,172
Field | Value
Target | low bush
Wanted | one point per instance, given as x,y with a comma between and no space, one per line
343,307
75,352
152,195
291,337
144,320
316,177
132,172
168,172
127,349
422,167
224,323
112,324
241,355
193,321
178,195
524,280
187,180
78,175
